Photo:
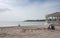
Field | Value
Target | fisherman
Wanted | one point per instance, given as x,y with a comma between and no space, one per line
19,25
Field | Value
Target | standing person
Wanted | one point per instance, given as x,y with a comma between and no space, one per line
52,27
19,25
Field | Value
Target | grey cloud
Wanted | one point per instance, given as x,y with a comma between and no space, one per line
5,9
18,2
28,2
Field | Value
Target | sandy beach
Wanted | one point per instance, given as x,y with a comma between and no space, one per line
29,32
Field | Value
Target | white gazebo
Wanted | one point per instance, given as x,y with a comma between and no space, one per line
53,18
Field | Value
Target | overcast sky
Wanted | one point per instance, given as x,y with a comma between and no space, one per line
18,10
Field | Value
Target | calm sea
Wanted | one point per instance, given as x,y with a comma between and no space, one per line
7,24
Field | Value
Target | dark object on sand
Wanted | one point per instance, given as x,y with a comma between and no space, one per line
51,27
19,25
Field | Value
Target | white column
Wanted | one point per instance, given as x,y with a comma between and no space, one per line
52,19
57,19
46,19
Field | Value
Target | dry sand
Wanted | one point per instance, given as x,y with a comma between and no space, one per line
29,32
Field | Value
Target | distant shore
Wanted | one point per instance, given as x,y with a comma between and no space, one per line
34,20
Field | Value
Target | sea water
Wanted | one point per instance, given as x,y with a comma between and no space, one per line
7,24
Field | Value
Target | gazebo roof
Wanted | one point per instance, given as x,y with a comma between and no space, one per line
53,14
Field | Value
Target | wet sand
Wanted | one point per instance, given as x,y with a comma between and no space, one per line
29,32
